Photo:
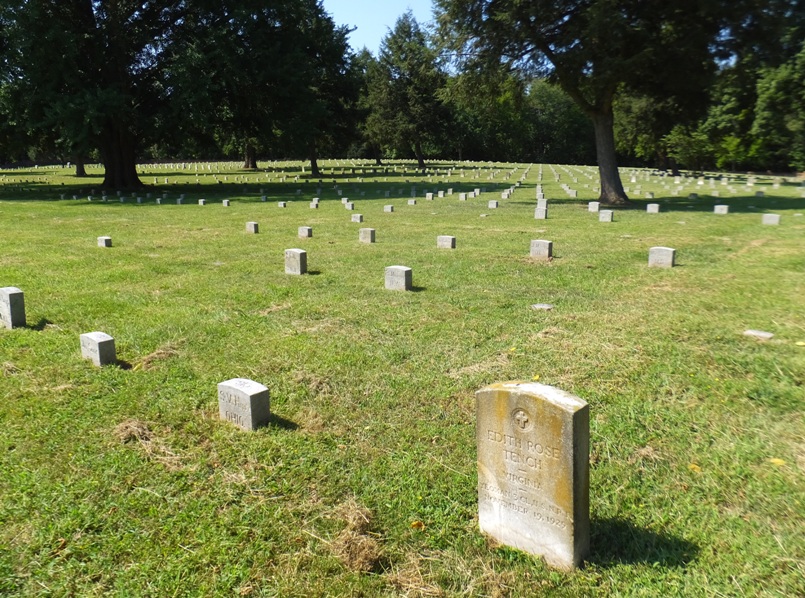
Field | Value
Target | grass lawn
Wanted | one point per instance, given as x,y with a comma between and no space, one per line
123,481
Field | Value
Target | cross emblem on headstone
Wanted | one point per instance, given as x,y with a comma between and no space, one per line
522,419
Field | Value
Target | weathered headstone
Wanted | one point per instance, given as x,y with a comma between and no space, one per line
593,206
295,261
653,208
388,208
226,203
282,204
357,218
244,402
398,278
411,202
314,205
12,307
305,232
541,249
366,235
252,227
661,257
541,213
462,197
445,242
104,241
202,202
98,347
349,206
533,470
542,203
721,209
773,219
492,204
605,216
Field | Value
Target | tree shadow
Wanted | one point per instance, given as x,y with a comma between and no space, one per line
618,541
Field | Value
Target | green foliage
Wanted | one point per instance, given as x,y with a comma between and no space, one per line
403,86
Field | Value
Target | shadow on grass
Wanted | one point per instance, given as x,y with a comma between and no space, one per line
123,365
281,422
620,542
40,325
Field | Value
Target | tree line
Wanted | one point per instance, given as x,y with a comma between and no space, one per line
690,83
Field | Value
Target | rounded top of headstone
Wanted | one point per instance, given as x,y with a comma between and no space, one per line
560,398
10,290
244,385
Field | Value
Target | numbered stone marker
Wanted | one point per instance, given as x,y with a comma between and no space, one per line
398,278
721,209
541,213
252,227
99,348
12,307
104,241
366,235
445,242
305,232
773,219
244,402
533,470
593,206
541,249
605,216
661,257
357,218
653,208
295,261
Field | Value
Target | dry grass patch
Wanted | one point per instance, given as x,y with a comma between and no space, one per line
150,360
356,547
136,431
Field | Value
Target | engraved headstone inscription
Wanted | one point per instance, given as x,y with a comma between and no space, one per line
244,402
533,470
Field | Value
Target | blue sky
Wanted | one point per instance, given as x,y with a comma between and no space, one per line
374,18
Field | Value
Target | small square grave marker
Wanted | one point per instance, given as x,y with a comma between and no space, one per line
653,208
357,218
593,206
226,203
252,227
493,204
541,213
605,216
398,278
104,241
721,209
99,348
282,204
305,232
772,219
388,208
366,235
445,242
759,334
661,257
244,402
541,249
12,307
295,261
411,202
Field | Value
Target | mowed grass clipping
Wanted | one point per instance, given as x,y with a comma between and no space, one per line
123,480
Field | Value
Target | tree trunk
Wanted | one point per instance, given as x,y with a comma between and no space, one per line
612,192
314,161
377,154
119,159
80,171
420,159
250,157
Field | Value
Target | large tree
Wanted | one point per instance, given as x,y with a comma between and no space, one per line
406,112
91,71
592,48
